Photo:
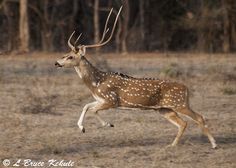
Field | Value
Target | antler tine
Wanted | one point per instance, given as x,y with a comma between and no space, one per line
105,27
77,39
103,36
69,43
101,43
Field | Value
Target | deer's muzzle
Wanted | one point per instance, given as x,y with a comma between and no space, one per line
57,64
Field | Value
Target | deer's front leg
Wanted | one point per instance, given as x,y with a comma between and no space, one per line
85,109
95,107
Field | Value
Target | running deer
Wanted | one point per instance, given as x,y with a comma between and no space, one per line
117,90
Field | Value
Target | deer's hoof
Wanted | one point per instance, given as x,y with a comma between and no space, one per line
108,125
214,146
111,125
83,130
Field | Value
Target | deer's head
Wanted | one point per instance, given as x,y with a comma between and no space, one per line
73,58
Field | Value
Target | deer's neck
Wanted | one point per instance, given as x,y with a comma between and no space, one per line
88,73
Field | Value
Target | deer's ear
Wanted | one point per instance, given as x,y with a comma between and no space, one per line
82,50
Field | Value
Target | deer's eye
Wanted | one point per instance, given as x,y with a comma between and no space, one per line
70,57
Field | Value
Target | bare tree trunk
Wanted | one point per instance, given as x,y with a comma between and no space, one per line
24,26
125,26
96,24
45,33
201,40
10,27
148,27
233,25
233,36
142,23
118,34
73,17
226,27
201,34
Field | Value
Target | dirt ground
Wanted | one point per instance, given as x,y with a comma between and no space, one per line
40,106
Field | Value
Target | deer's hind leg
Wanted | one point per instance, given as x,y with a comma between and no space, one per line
200,121
173,117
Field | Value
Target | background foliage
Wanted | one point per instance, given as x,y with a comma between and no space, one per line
145,25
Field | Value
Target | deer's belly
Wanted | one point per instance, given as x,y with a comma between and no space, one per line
138,102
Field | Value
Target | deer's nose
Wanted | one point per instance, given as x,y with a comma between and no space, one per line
57,64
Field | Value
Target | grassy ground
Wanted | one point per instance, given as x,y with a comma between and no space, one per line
40,106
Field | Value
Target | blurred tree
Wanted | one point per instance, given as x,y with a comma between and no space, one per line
142,22
24,26
229,18
232,15
226,26
73,18
176,25
125,14
48,16
10,24
96,23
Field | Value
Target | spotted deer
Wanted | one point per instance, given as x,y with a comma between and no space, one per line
117,90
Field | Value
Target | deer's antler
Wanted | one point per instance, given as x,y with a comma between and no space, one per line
101,42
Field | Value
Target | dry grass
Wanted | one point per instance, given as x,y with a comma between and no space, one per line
229,90
39,99
40,106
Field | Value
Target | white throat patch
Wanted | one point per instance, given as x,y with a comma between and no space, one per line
78,72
